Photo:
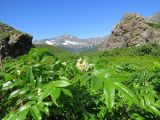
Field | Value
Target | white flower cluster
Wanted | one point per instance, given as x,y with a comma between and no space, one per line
39,91
18,72
64,63
83,65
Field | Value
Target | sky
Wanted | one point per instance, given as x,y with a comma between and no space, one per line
82,18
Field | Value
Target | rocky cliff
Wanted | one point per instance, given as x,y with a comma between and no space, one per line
13,43
133,30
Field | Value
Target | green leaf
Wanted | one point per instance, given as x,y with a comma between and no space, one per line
8,77
48,103
39,81
24,107
14,94
61,83
10,84
46,110
67,92
23,111
126,92
147,101
109,93
46,92
12,116
31,96
96,83
18,92
30,77
55,93
7,85
154,110
42,107
35,112
31,103
101,74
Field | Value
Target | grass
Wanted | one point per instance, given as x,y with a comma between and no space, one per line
6,30
154,25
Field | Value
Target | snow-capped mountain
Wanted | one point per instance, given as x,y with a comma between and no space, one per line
71,42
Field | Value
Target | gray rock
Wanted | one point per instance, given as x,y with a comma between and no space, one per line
133,30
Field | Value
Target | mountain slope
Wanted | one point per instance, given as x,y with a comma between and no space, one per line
73,43
13,42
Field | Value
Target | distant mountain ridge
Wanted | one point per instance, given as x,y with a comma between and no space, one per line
73,43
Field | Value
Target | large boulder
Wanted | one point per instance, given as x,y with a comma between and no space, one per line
133,30
14,43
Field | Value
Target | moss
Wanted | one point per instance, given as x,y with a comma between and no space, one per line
154,25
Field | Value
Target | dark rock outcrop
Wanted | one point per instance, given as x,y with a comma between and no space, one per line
133,30
13,43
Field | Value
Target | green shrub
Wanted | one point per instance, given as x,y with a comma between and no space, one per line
40,86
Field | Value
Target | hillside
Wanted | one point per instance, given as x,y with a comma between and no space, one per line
13,43
7,30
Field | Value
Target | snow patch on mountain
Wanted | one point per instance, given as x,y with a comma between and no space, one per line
49,42
67,42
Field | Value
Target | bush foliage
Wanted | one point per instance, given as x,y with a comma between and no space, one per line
42,85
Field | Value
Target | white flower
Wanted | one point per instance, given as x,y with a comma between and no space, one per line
18,72
64,63
39,91
83,65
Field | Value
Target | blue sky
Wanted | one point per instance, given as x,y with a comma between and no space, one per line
83,18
